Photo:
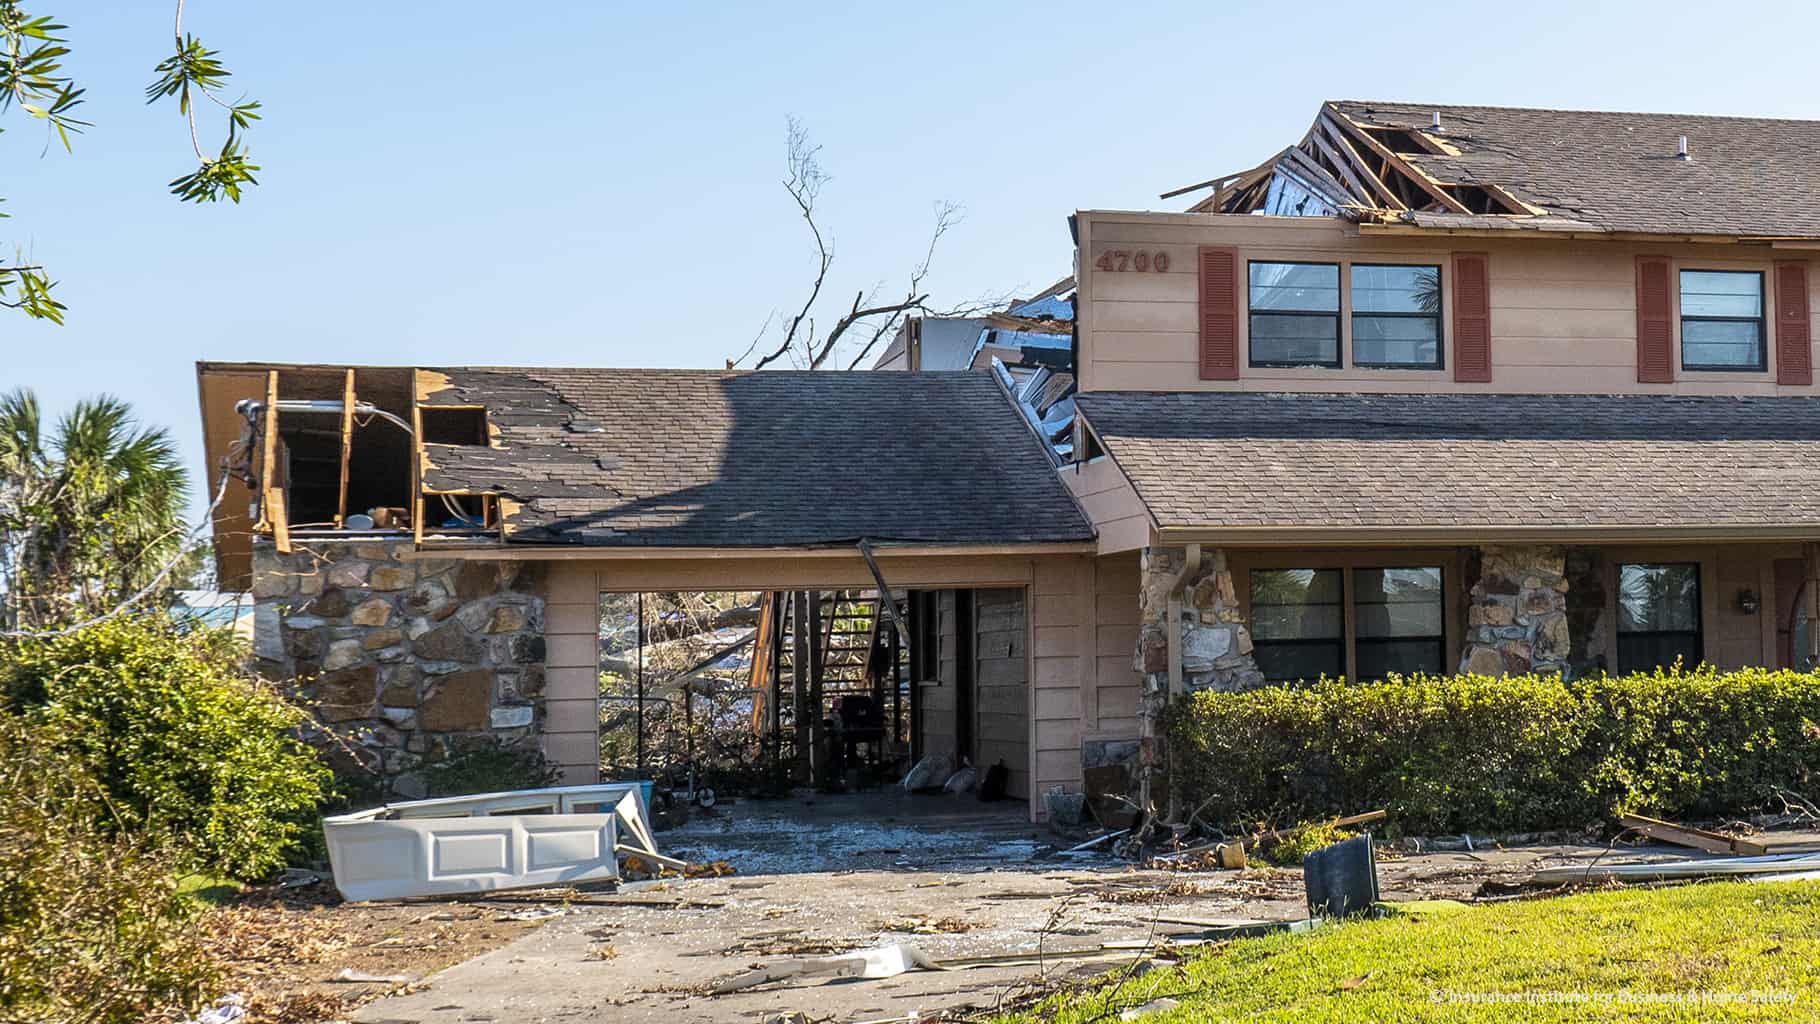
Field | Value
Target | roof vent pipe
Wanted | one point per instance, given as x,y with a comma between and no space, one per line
1681,149
1437,121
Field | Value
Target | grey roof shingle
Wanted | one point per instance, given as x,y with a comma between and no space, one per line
1605,171
705,458
1411,460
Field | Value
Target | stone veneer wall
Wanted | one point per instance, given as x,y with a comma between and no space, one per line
1516,613
404,661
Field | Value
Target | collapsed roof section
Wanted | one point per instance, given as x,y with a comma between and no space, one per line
1029,344
1502,168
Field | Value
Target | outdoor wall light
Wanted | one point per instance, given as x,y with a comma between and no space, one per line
1747,600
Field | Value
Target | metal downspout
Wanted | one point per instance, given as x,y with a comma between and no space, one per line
1172,635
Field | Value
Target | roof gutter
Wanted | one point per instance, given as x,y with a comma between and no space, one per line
522,552
1328,536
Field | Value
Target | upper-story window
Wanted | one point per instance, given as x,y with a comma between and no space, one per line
1722,320
1295,314
1396,316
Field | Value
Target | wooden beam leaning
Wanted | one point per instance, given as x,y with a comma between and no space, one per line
1370,188
1401,166
347,448
271,496
1307,167
884,590
417,473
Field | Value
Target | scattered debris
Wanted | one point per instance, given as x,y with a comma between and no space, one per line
1153,1006
882,962
1164,894
603,951
229,1009
533,914
350,976
1098,840
924,924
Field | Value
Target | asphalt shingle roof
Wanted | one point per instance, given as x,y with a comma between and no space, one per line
1410,460
704,458
1604,171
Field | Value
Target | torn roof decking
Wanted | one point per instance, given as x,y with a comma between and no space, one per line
705,458
1573,171
1335,466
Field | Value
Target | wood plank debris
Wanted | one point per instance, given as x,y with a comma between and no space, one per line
1699,839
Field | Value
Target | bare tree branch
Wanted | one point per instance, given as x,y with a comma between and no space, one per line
867,317
804,185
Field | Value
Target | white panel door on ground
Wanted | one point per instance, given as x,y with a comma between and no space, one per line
375,860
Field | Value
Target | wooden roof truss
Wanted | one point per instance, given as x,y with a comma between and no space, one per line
1361,171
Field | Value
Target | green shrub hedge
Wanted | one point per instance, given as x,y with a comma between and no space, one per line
93,926
185,743
1499,755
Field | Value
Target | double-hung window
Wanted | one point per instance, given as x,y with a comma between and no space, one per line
1722,320
1658,615
1299,617
1396,316
1295,314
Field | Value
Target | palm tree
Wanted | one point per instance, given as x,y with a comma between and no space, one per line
87,515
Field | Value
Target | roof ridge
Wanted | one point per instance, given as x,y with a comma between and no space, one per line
1444,107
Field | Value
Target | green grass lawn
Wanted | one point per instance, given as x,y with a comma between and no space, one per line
1630,947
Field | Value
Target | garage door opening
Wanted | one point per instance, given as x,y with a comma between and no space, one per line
760,693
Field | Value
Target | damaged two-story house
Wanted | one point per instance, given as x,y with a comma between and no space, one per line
1434,389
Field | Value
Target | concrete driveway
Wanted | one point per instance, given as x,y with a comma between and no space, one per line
964,882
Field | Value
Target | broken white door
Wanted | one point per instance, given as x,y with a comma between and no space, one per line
488,841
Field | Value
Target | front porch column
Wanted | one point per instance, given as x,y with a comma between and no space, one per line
1516,619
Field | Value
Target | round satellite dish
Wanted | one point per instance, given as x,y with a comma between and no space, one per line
359,521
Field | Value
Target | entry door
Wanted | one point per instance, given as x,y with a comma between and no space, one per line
1791,613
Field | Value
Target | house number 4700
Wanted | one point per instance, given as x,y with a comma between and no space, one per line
1119,261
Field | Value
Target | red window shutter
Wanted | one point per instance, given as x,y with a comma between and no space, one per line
1472,317
1655,322
1794,331
1219,313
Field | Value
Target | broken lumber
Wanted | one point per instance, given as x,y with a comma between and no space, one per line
1347,821
1699,839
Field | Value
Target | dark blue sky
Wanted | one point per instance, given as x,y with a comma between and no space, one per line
597,183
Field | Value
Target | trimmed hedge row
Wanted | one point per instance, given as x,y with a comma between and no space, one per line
1487,754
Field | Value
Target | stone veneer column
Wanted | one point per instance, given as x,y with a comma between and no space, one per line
404,659
1516,620
1216,646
